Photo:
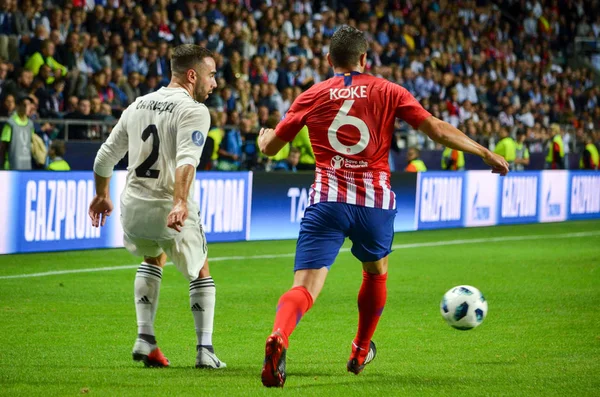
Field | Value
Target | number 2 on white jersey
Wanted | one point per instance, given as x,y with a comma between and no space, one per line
143,170
341,119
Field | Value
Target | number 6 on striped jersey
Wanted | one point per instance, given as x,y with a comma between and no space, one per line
342,118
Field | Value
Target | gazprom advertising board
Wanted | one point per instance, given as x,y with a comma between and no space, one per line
584,194
46,211
519,198
440,200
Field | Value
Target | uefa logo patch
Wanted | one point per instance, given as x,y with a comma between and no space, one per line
197,138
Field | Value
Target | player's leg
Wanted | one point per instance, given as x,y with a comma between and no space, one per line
372,238
322,233
202,302
189,253
146,292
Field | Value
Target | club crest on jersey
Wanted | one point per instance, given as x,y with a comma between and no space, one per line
197,138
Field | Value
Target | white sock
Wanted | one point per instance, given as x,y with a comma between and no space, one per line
202,303
146,291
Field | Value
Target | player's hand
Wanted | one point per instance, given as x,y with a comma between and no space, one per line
100,208
498,163
264,131
177,216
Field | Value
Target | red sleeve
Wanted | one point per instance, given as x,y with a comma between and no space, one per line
294,119
407,107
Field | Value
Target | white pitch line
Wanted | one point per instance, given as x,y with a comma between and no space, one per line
289,255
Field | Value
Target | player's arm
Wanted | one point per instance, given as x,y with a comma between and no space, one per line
184,175
271,141
411,111
192,132
110,153
451,137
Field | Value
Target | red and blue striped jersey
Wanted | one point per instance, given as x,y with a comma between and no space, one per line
350,120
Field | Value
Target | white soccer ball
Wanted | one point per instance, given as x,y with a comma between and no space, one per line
464,307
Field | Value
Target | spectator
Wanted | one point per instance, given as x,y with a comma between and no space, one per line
415,164
453,160
8,107
526,117
83,112
425,86
56,153
19,87
215,136
590,160
290,164
506,147
555,158
506,117
45,57
132,87
521,152
307,156
230,151
249,148
16,141
52,101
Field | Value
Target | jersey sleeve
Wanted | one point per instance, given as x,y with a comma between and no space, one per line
407,107
295,118
114,149
192,131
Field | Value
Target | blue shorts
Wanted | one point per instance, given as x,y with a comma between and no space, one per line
325,226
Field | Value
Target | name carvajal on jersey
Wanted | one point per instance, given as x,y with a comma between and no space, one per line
356,92
157,106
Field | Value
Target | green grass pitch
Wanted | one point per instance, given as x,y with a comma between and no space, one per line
72,334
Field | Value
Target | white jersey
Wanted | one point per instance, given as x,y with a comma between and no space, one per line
161,131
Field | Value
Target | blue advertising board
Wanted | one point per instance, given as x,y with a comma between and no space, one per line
519,198
279,201
46,211
49,212
584,195
440,200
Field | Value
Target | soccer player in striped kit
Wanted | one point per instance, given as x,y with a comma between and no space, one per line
350,119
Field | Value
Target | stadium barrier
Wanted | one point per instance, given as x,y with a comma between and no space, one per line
46,211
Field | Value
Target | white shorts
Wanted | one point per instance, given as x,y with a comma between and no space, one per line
187,249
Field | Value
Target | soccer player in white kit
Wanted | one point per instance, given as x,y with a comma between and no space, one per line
164,133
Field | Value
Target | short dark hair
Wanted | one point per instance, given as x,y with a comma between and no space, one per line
347,45
187,56
20,100
294,150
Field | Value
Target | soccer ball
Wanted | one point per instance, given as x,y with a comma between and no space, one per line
464,307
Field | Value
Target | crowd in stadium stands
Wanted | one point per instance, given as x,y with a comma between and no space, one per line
489,68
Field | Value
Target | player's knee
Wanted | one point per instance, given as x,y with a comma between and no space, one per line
204,271
376,267
159,261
